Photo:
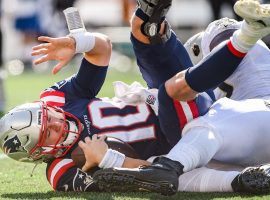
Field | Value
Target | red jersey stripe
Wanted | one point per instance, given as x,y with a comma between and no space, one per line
180,113
52,93
60,172
194,109
234,51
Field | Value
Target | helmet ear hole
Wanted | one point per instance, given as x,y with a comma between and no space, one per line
193,48
196,49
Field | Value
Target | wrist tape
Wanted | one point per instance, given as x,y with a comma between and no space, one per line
111,159
85,41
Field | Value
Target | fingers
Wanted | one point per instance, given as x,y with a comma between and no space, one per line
42,46
39,52
59,66
82,145
85,168
45,39
103,137
42,59
95,137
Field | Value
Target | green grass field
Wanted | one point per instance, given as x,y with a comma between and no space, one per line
16,182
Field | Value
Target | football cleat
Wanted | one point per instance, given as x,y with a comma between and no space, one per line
253,180
160,177
256,15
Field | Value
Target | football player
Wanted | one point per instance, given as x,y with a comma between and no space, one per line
216,134
69,111
252,76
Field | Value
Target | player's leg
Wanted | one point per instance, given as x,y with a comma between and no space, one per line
222,177
160,61
204,179
222,62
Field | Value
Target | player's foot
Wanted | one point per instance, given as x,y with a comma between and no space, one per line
256,15
161,177
253,180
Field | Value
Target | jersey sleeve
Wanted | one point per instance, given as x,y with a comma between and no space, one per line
63,175
85,84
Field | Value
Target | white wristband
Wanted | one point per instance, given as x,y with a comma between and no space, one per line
85,41
111,159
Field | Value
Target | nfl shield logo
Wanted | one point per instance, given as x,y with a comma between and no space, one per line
151,99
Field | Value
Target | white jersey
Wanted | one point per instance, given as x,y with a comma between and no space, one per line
242,129
252,77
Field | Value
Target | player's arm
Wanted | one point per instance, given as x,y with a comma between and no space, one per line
96,46
97,153
177,88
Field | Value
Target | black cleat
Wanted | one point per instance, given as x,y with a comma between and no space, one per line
253,180
161,177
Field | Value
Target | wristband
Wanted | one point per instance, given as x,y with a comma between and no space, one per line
111,159
85,41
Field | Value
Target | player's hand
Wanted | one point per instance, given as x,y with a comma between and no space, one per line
61,49
94,150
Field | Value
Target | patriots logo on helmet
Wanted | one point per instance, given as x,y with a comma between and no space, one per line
13,145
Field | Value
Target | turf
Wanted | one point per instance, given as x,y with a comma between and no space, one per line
16,182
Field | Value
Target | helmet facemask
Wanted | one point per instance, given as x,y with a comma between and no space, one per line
69,134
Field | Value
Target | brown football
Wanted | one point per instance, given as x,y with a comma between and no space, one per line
78,157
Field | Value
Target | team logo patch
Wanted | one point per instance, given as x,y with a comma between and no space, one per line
151,99
60,84
82,181
13,145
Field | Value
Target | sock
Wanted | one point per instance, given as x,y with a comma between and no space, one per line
196,148
207,180
246,37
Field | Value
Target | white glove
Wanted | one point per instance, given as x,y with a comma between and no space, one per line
136,94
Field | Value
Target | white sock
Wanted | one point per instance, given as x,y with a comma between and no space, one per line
196,148
207,180
246,37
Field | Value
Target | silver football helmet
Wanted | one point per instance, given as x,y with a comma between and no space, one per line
201,44
23,132
194,49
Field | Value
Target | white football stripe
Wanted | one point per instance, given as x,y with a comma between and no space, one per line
53,99
57,167
187,110
134,135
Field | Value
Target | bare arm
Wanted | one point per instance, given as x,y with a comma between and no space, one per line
62,49
177,88
134,163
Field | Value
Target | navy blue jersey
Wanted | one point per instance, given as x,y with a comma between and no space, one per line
137,125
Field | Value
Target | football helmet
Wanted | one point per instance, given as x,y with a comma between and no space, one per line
201,44
23,132
194,49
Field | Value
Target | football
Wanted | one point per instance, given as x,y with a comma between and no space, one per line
78,157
